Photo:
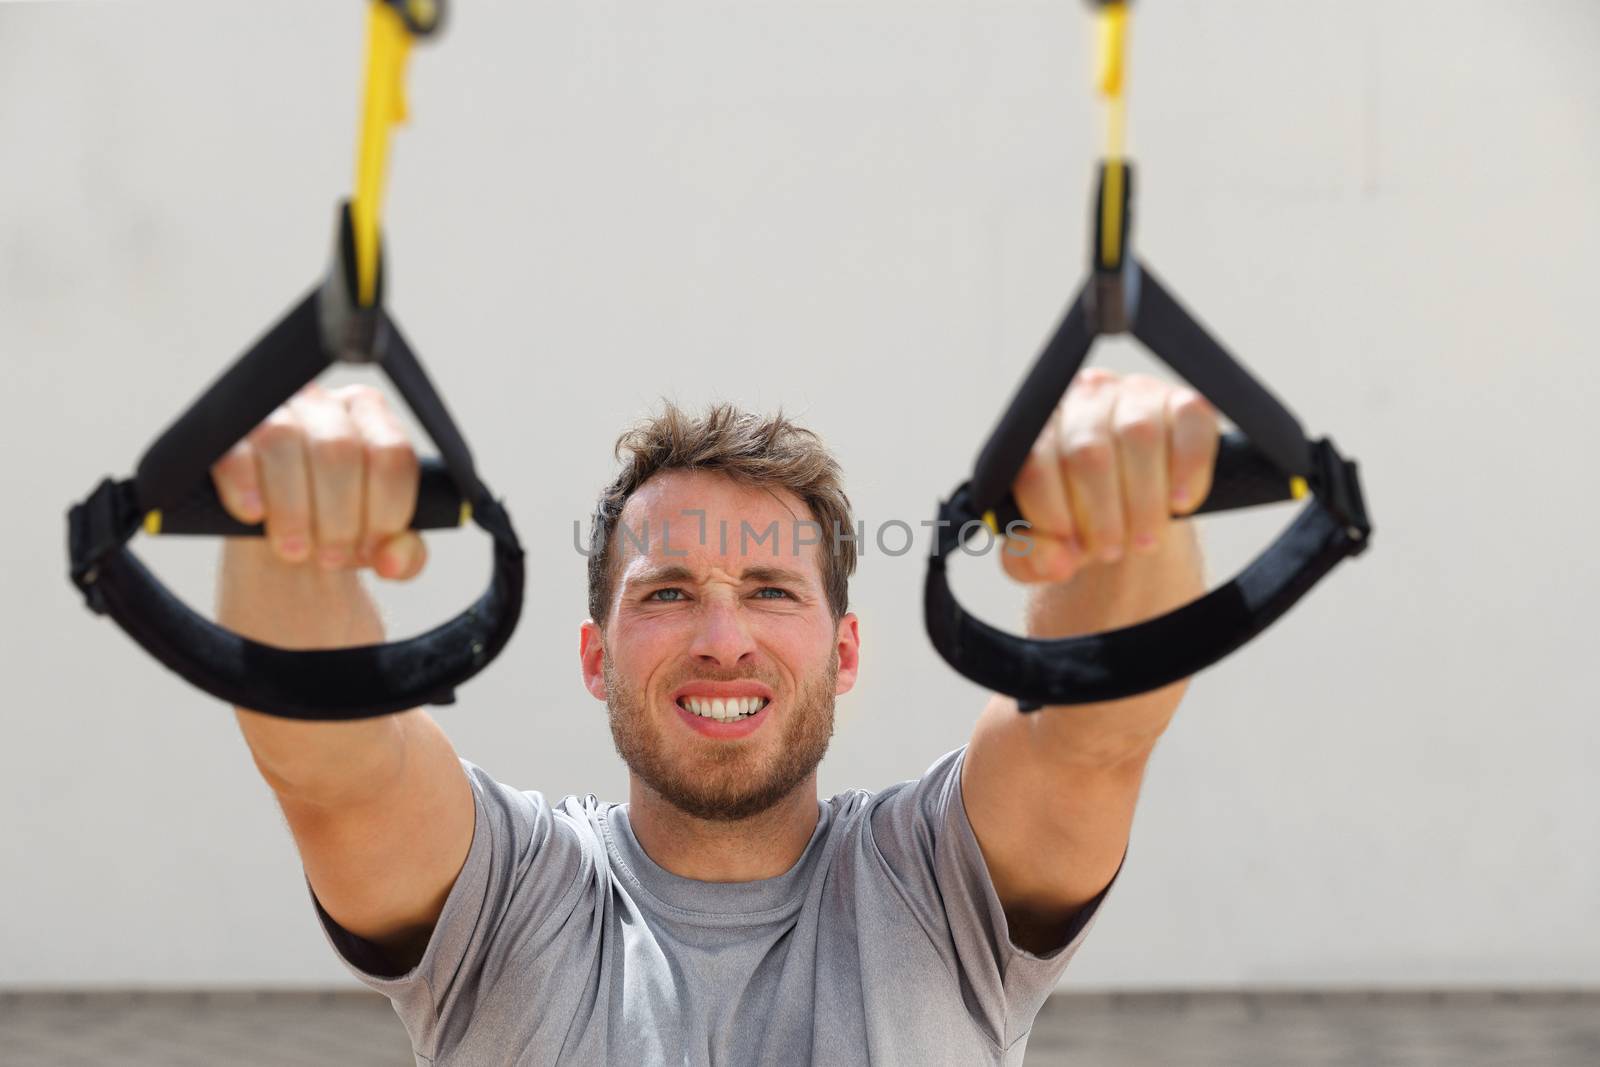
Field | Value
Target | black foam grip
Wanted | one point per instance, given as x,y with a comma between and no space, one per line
200,511
1243,478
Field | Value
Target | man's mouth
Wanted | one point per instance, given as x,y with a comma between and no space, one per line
731,709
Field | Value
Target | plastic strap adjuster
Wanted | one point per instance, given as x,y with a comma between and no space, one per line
95,528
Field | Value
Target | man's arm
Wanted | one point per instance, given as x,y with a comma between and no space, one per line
1050,794
380,809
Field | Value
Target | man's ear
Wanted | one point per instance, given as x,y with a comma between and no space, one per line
591,658
847,643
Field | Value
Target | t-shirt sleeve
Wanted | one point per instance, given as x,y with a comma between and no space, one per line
527,864
921,831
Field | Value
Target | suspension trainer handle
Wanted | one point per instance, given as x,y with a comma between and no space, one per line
340,319
171,492
1269,460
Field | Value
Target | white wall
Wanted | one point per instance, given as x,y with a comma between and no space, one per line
870,212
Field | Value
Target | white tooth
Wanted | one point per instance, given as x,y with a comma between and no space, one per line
719,709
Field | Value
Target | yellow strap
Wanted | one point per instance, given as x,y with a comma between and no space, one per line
1111,215
152,522
1298,488
1113,20
388,45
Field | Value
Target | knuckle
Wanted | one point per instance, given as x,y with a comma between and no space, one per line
363,393
1089,452
1142,430
1032,476
392,458
236,465
277,431
334,450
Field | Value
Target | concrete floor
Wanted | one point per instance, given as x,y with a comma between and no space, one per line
1074,1030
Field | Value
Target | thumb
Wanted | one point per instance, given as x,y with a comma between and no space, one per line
401,557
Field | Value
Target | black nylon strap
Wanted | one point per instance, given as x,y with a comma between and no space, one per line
1136,659
1003,454
321,684
272,370
400,363
1184,345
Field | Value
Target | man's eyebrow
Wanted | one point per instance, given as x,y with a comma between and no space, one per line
672,572
762,572
677,572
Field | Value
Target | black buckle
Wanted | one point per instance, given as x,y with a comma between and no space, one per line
352,332
1338,488
97,527
1114,294
422,17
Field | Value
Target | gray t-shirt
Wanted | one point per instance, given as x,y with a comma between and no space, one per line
563,943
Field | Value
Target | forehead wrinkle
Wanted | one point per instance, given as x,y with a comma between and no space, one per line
654,493
677,572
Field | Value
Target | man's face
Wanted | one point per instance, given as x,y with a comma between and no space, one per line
720,661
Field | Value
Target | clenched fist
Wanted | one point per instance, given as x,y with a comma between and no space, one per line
334,478
1120,457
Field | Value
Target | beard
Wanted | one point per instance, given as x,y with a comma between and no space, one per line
723,781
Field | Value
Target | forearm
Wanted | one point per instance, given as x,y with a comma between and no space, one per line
304,607
1102,597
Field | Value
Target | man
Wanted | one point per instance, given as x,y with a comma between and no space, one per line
724,915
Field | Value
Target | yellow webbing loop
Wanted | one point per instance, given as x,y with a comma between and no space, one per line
1111,215
388,45
152,522
1113,20
1111,80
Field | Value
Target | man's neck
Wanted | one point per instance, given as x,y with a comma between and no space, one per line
762,846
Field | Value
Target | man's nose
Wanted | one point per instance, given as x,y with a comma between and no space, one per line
722,636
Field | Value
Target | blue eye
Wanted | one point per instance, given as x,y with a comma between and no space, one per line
773,589
658,592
